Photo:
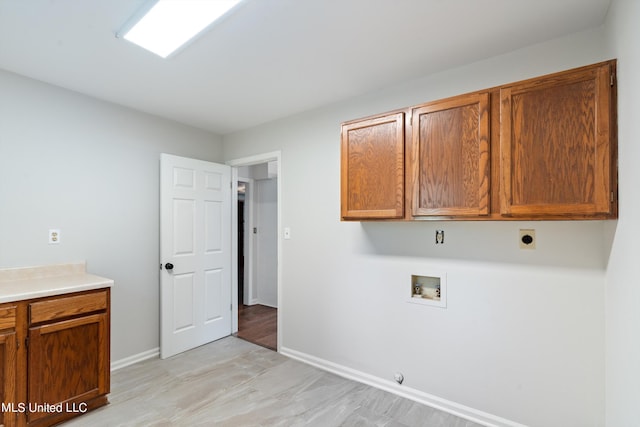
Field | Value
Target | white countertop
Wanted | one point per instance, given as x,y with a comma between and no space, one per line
35,282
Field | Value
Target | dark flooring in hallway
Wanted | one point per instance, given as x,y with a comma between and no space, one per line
258,324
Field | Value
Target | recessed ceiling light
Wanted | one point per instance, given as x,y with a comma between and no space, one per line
169,24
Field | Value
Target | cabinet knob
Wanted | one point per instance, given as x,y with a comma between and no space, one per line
168,266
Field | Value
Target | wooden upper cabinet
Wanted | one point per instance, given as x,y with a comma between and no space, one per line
372,168
449,160
539,149
557,145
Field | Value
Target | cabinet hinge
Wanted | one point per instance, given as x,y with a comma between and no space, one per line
612,79
26,342
612,197
17,344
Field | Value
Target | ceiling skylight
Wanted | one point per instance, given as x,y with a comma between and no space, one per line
170,24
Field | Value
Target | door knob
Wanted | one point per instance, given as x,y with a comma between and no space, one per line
168,266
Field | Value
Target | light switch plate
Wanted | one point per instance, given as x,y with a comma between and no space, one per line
287,233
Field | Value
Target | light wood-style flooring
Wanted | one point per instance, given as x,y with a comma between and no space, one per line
258,324
232,382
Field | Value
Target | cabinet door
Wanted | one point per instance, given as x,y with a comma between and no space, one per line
372,170
68,363
450,157
8,371
556,144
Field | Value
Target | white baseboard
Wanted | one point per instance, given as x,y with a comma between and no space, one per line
149,354
448,406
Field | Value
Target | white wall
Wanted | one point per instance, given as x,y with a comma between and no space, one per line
622,288
91,169
266,241
522,337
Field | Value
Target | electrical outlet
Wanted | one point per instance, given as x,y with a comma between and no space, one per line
527,238
54,236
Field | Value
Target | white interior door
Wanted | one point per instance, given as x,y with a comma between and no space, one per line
195,253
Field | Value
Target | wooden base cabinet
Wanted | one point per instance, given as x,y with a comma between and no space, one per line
8,365
63,370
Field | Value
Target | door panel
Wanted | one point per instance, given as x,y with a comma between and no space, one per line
183,309
213,232
214,292
195,222
67,363
555,143
183,227
8,371
372,168
450,157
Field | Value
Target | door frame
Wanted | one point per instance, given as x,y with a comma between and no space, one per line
249,222
250,161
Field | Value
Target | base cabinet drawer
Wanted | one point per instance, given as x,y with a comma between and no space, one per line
67,306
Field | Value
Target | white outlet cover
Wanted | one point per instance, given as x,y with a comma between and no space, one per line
54,236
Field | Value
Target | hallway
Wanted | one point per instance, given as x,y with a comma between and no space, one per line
258,324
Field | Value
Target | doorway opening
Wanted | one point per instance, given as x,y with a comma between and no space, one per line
257,249
242,189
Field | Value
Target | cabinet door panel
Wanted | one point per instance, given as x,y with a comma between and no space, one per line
556,144
8,371
450,157
372,175
68,362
